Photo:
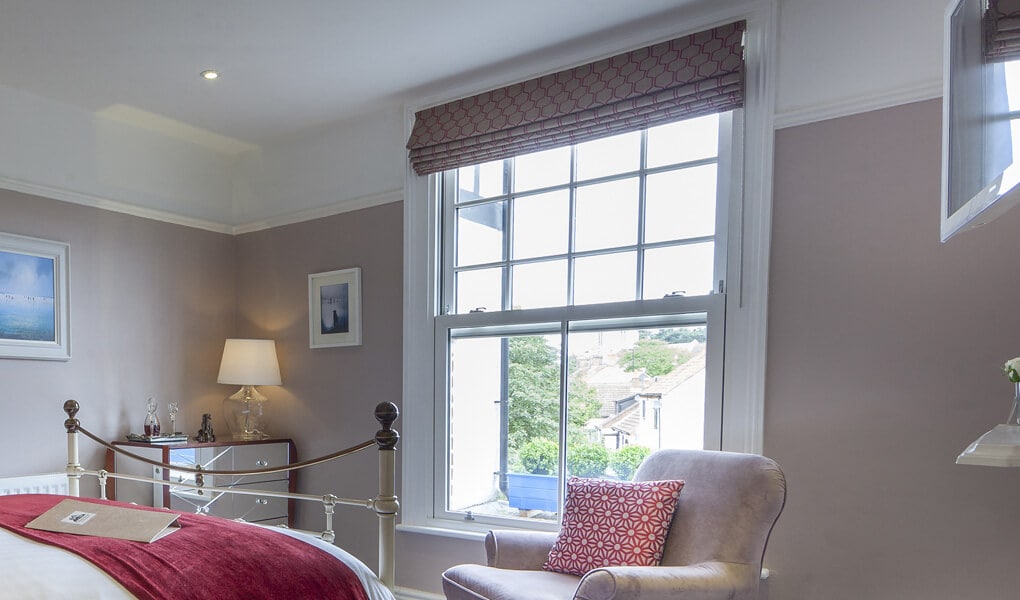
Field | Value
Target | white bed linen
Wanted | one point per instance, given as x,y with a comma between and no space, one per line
32,570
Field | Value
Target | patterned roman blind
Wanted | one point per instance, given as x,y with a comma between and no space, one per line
690,76
1002,30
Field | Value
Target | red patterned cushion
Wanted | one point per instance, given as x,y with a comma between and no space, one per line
613,523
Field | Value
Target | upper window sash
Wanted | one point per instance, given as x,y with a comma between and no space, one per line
727,183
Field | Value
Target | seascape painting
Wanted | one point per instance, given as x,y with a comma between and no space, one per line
27,309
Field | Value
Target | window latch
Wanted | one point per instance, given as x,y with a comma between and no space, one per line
676,294
480,309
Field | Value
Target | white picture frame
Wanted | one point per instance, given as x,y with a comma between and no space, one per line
35,315
334,308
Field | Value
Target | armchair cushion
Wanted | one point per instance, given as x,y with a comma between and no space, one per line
613,523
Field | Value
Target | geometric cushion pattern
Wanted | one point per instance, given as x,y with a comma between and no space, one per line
613,523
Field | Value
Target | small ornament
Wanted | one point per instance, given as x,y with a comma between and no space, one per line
205,434
151,426
173,408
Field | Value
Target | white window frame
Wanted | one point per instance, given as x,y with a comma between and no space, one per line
746,299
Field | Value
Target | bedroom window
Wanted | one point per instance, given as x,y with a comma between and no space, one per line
582,293
580,280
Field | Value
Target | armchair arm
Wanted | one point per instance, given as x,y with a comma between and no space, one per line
521,550
701,581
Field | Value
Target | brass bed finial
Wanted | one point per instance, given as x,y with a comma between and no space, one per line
386,413
71,408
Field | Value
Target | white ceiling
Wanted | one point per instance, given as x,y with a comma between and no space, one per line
287,65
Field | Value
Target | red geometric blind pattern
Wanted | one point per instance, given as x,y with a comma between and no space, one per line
686,77
1002,30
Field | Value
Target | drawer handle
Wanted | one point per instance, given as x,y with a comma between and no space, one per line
261,501
262,463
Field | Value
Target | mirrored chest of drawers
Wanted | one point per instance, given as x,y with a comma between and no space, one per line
232,455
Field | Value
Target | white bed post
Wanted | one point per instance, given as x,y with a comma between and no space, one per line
386,504
73,467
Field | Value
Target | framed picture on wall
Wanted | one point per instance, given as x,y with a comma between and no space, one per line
334,308
34,311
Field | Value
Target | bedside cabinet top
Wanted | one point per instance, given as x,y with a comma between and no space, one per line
194,444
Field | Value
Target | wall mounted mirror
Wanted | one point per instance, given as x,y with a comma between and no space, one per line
981,113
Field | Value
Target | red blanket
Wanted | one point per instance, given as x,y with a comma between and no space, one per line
208,558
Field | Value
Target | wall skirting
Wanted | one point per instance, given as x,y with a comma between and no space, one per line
409,594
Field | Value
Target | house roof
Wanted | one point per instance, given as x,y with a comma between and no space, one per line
610,393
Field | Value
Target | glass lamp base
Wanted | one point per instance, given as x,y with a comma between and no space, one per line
245,413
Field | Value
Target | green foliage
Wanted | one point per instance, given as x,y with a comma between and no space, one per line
654,356
587,460
682,335
624,462
534,390
539,456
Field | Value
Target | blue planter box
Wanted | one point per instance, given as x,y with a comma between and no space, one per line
526,491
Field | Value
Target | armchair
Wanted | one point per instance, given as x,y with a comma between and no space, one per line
714,548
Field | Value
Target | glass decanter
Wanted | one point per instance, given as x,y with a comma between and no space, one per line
151,420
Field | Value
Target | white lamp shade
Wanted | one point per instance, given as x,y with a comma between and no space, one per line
249,362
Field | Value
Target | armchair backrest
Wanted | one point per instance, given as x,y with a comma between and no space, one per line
727,507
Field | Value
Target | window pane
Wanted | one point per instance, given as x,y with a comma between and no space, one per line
687,269
693,139
480,181
539,285
482,288
504,454
605,278
637,391
609,156
1012,71
680,204
541,224
607,215
475,397
542,169
480,234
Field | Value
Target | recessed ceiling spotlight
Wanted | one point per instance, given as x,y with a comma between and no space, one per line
210,74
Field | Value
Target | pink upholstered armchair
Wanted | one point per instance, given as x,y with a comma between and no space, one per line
714,548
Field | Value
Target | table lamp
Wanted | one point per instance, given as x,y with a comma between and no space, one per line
248,363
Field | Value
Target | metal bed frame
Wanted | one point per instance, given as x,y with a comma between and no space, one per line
384,505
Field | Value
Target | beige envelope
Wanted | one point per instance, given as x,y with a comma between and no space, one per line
102,520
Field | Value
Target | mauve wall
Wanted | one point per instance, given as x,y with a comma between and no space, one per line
150,306
328,395
884,356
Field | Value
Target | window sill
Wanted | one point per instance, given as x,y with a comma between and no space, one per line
461,531
459,534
